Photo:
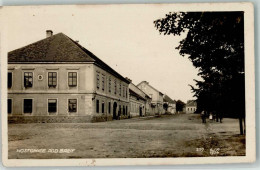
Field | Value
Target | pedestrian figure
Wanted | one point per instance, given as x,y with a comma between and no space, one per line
220,118
203,116
214,116
210,117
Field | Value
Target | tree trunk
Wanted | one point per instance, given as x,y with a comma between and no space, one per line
244,125
241,125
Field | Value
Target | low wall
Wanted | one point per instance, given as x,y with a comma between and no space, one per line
61,119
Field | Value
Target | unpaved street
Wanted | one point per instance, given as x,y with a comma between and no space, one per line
168,136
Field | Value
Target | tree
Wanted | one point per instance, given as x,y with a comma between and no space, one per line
214,43
165,106
179,105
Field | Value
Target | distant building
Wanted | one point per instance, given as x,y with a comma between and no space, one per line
58,80
191,106
139,101
171,104
155,95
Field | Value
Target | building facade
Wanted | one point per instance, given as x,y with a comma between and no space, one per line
191,106
58,80
140,103
169,104
156,97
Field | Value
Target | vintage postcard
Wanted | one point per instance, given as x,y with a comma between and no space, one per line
127,84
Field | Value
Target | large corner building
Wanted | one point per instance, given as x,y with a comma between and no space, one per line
58,80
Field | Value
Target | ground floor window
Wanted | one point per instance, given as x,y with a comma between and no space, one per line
72,105
119,110
109,107
52,106
27,106
97,106
123,110
9,106
103,107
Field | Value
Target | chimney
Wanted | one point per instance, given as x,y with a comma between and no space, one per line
49,33
128,79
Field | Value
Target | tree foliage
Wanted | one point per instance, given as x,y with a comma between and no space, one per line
179,105
214,43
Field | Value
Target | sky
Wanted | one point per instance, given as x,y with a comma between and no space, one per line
123,36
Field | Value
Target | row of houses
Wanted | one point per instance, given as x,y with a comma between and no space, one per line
58,80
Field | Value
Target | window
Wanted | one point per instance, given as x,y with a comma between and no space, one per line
123,91
123,110
109,107
109,85
9,106
52,106
119,110
103,107
97,106
103,82
72,105
28,79
9,80
120,87
27,106
97,80
115,86
126,92
72,79
52,79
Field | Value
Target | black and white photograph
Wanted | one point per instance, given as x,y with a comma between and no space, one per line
150,83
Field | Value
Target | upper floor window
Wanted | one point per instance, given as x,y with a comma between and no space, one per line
103,82
109,85
9,80
72,105
97,80
123,91
52,79
120,88
28,79
115,86
126,92
72,79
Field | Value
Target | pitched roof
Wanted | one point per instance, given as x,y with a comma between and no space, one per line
191,103
133,93
57,48
168,99
149,86
134,90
